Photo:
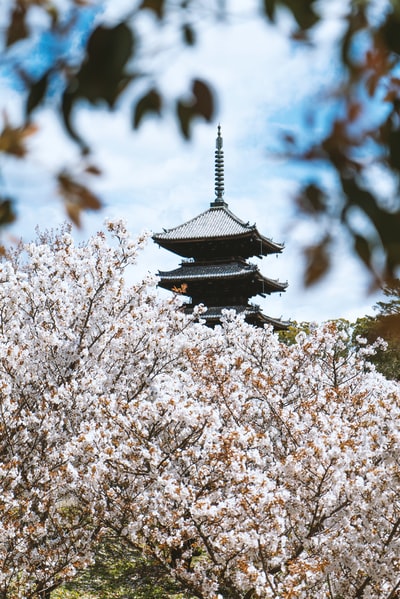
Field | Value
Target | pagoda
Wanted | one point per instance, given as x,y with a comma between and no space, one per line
215,272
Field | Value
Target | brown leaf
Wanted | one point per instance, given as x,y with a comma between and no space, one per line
157,6
74,213
386,223
93,170
204,99
180,290
317,261
394,149
12,139
67,104
390,96
77,197
353,111
102,75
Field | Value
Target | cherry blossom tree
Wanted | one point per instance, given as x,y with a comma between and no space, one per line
69,333
245,467
258,469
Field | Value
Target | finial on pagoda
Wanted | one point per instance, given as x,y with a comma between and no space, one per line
219,171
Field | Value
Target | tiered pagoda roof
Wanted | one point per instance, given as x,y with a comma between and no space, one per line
196,273
216,232
218,244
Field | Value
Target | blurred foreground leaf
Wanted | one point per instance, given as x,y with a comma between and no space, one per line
150,103
199,104
77,197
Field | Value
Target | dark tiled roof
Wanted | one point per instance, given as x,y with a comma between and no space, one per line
192,271
216,222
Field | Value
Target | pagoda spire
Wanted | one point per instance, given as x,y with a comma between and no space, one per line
219,171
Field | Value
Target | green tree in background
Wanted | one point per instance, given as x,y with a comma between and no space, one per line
289,336
385,325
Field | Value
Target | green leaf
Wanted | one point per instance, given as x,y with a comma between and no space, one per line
200,103
390,32
67,104
386,223
204,104
7,212
394,149
102,76
151,102
302,11
269,9
312,200
36,93
363,249
185,116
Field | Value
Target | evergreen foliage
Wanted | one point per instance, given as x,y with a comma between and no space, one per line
385,325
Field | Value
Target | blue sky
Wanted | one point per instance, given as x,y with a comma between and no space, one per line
154,179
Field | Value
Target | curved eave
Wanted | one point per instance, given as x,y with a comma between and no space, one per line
244,244
277,323
181,276
217,225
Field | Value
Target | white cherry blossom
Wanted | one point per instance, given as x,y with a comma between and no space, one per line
248,468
